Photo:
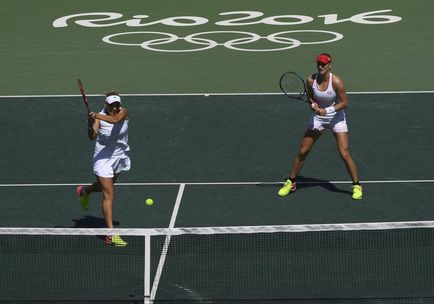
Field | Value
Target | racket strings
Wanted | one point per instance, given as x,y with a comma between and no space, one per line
292,85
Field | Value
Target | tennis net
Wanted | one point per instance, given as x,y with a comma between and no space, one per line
390,262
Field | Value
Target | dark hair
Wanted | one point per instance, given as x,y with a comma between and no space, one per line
111,93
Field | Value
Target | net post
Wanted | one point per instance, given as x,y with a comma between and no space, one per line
147,269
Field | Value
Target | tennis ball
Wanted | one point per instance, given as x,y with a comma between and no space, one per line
149,201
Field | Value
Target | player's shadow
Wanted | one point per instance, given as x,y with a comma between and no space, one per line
90,222
308,182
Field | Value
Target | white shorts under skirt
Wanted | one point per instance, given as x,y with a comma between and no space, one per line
335,122
108,167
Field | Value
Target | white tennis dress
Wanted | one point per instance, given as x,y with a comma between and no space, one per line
335,121
111,147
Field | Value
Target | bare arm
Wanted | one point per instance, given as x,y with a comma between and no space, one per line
113,119
93,124
339,87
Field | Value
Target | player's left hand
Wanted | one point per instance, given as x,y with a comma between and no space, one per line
321,112
92,115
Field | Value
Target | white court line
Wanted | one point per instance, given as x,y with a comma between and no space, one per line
226,183
208,93
166,244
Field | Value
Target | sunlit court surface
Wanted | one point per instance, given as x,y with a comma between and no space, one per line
212,140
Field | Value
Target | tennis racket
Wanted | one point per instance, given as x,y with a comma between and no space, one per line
83,94
293,86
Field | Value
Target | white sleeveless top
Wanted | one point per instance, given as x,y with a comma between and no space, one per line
325,98
112,139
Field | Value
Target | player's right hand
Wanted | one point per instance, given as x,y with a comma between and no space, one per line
314,106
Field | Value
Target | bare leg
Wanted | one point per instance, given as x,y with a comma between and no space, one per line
342,144
95,187
309,139
108,193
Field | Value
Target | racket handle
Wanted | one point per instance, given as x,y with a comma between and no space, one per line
90,123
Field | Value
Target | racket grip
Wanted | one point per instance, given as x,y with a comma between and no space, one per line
90,123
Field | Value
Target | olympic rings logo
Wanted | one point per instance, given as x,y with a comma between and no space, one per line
201,43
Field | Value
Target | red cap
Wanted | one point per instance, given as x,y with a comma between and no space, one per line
323,59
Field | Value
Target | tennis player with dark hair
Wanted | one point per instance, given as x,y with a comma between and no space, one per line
328,98
109,128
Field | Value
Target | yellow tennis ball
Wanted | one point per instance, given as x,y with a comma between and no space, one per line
149,201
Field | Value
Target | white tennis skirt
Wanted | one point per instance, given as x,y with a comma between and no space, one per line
336,122
108,167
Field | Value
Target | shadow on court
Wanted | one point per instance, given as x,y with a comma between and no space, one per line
91,222
308,182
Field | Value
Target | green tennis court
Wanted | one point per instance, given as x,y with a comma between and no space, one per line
211,138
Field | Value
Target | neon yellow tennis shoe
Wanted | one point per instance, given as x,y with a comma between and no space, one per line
84,198
115,240
357,192
288,187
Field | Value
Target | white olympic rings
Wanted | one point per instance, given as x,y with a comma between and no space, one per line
206,44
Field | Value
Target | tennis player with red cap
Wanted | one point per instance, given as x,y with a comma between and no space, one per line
109,128
327,93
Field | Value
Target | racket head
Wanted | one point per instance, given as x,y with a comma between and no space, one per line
83,94
293,86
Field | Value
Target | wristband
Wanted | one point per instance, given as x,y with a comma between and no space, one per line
330,110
